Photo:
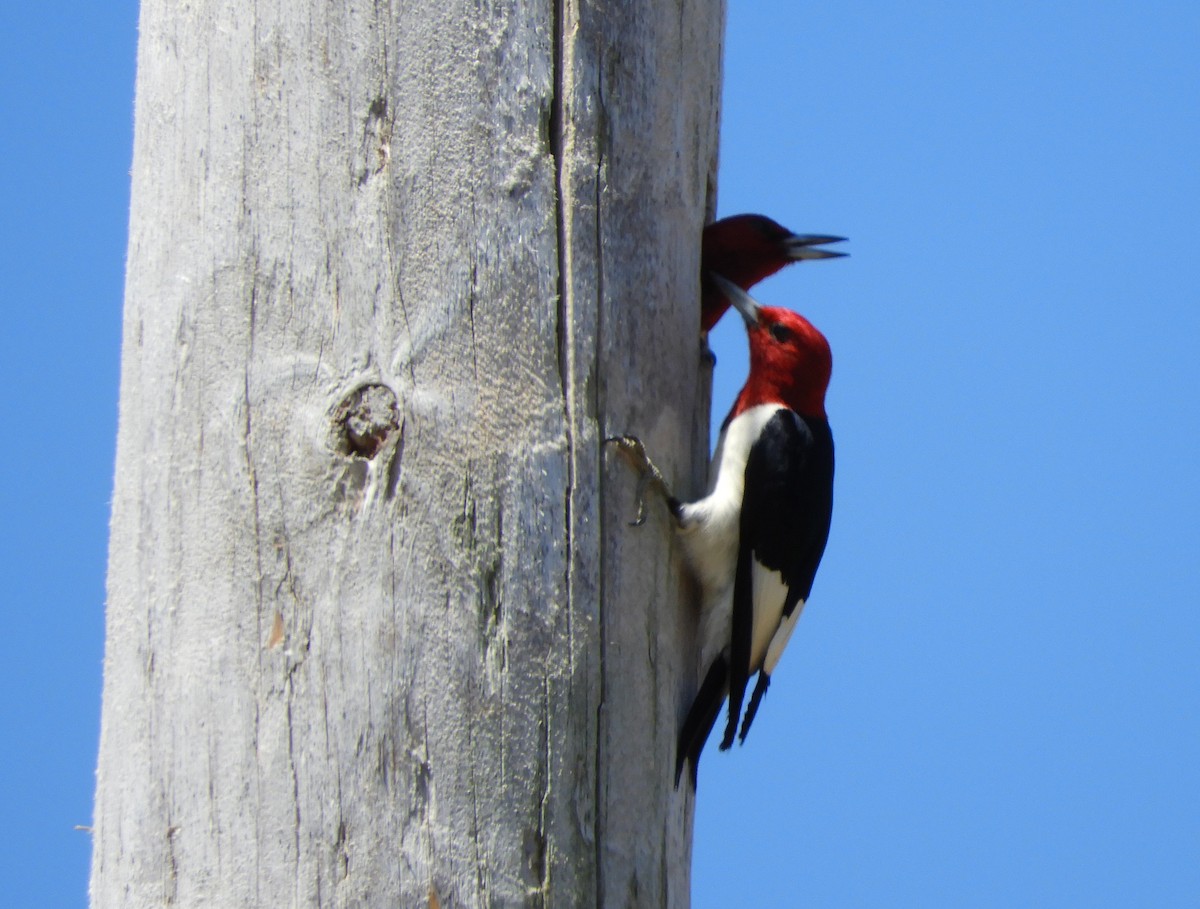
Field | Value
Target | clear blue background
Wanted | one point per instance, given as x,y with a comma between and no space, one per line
993,697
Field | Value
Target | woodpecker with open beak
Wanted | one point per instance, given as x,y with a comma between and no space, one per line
755,540
745,249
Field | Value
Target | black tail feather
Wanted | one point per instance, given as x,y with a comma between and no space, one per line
701,718
760,688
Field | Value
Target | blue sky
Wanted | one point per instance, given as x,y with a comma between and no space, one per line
993,697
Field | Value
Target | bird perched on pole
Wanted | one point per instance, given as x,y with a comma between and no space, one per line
745,249
755,540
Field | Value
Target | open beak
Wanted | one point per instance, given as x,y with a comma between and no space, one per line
742,301
805,246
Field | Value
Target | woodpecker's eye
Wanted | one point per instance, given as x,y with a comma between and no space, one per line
780,333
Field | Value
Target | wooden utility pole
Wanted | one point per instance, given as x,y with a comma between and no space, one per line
378,631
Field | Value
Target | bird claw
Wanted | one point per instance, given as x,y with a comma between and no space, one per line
632,449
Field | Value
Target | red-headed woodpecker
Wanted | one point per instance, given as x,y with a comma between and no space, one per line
754,542
745,249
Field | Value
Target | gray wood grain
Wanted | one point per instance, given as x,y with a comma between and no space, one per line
377,631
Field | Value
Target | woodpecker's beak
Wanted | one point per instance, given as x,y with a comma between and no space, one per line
804,246
744,303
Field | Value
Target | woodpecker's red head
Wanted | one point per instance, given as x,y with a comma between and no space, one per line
746,249
790,361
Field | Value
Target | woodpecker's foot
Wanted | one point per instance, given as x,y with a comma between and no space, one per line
649,475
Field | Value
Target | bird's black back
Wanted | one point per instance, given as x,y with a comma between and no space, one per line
786,511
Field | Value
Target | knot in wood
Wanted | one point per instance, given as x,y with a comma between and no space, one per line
364,420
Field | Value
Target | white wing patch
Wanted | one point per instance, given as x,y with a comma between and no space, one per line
769,594
771,630
781,638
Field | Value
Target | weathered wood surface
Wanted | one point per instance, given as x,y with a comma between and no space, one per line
377,631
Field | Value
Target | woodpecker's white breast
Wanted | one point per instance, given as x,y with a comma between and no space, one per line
710,530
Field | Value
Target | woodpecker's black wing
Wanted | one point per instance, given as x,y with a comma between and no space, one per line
786,509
